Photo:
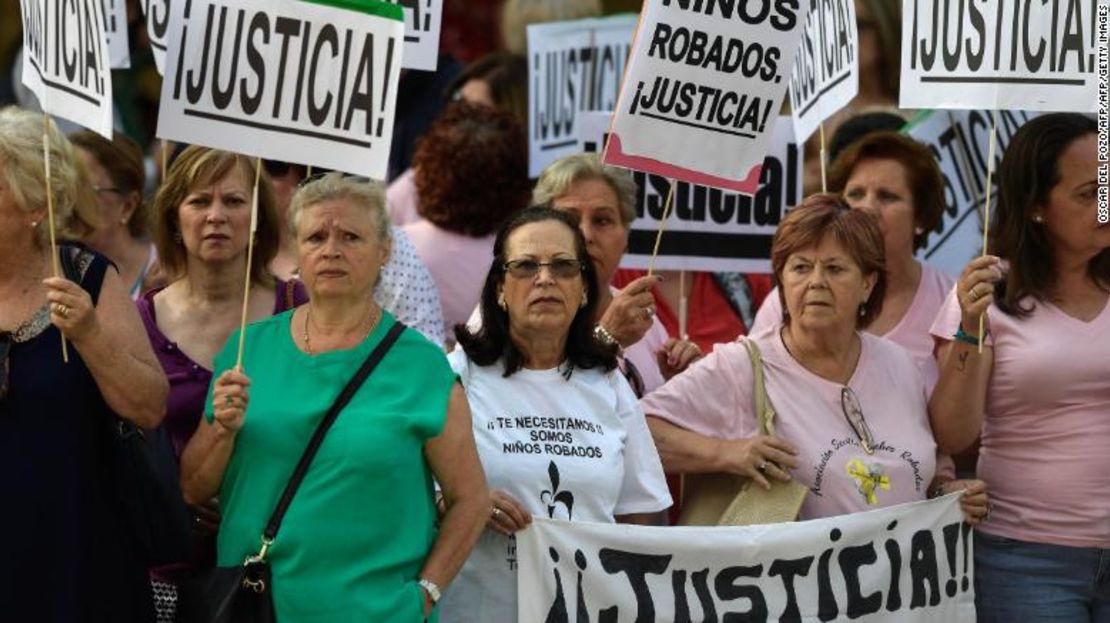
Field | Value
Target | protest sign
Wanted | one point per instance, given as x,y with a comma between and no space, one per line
573,67
999,55
960,142
703,89
115,23
66,62
907,564
709,229
157,13
423,19
283,79
826,70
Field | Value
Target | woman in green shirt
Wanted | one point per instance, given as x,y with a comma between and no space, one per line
359,541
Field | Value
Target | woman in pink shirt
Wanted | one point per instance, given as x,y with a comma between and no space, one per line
852,424
1040,390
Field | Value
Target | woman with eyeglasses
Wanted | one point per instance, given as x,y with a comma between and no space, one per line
557,426
67,554
852,424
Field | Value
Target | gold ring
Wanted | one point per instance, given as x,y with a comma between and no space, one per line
496,511
62,309
973,294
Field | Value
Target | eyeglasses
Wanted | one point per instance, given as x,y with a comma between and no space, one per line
562,268
5,350
854,414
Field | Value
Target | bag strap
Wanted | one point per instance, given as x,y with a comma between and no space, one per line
764,411
332,414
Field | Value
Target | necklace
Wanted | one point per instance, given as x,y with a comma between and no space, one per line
374,318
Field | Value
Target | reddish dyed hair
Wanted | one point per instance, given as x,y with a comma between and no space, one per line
857,231
472,170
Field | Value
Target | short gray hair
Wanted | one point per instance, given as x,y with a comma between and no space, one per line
366,194
557,178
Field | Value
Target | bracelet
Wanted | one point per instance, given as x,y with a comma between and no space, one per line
430,588
967,339
602,335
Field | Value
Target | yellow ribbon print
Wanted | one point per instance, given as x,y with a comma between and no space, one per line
869,478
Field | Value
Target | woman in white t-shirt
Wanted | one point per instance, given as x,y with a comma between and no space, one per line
557,427
897,179
852,423
1039,392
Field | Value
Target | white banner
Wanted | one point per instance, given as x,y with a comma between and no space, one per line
423,21
157,13
709,229
287,80
65,60
911,563
960,140
573,67
826,70
703,90
115,22
999,55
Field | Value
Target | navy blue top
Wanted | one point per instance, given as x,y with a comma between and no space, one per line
65,554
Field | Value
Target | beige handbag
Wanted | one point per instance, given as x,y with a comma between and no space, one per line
722,499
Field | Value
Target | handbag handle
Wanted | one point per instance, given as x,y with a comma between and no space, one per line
332,414
764,410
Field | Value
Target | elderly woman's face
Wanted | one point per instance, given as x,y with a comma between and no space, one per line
882,187
824,287
546,302
599,211
215,220
339,249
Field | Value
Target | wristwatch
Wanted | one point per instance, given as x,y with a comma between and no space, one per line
431,589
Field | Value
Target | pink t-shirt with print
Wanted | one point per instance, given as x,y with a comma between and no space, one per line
911,333
1045,453
714,398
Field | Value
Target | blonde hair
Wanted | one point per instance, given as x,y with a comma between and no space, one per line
516,15
557,178
24,169
366,194
198,167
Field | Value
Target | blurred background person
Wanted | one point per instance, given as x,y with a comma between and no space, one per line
117,176
517,15
364,514
1038,392
535,354
471,174
68,554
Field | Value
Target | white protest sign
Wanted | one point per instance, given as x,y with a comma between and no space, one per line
287,80
157,14
423,21
115,22
703,89
999,55
960,141
709,229
65,60
573,67
826,70
904,564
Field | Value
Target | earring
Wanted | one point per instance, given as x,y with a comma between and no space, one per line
1037,218
34,224
862,310
585,300
918,231
501,302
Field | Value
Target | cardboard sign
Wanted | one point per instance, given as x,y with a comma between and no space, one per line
287,80
115,21
703,89
999,55
826,70
710,229
912,563
65,60
157,14
573,67
960,140
423,20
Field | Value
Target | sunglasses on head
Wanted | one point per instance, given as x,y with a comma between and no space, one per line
562,268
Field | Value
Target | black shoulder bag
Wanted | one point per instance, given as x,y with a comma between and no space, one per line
145,479
242,594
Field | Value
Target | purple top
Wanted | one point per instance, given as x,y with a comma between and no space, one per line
189,380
